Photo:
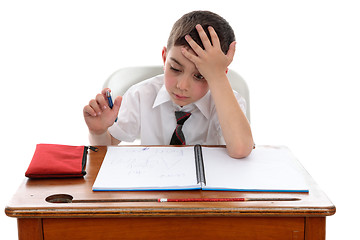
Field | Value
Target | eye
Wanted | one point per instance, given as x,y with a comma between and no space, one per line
174,69
199,77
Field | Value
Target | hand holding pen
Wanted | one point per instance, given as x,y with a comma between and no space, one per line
110,102
101,112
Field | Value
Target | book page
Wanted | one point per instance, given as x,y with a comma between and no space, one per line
147,168
265,169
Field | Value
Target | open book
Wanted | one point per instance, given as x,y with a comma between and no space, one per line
195,167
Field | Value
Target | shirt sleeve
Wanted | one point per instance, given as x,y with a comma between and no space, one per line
127,127
242,102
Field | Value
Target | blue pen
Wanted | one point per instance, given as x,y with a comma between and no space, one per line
108,95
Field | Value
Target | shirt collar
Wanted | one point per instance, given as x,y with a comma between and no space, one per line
203,104
161,97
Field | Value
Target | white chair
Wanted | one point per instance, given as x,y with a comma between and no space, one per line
123,78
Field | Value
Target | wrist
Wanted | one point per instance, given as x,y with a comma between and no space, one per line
100,138
98,131
220,79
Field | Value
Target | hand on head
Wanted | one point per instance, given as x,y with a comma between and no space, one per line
210,61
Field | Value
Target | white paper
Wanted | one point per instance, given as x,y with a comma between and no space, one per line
265,169
147,168
173,168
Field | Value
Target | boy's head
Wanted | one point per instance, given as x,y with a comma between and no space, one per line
186,26
182,79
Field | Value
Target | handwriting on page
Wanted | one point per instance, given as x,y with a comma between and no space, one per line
142,168
164,163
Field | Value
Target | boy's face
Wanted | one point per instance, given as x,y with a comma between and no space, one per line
183,81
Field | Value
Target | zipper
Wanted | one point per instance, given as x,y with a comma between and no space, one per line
84,158
95,149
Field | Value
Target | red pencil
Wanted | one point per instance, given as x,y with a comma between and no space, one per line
70,200
225,199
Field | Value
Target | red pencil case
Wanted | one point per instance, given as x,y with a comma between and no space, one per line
58,161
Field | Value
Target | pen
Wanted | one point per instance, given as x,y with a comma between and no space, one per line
110,102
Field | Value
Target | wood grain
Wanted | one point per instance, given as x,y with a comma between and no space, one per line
29,200
178,228
41,215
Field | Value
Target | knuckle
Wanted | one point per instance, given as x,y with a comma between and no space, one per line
99,96
92,102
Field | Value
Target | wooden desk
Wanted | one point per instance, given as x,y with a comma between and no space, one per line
40,219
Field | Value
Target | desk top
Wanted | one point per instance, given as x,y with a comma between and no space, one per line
36,198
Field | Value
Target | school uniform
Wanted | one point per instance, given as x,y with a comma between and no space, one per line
147,112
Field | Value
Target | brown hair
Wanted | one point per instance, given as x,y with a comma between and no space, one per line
186,26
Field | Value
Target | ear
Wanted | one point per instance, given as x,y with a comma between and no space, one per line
163,54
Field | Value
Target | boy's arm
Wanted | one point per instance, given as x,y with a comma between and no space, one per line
212,64
234,124
99,117
104,139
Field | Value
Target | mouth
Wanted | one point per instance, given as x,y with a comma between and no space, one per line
180,97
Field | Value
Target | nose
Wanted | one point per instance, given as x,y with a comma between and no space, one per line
183,83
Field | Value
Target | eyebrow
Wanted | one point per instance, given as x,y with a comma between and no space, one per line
173,59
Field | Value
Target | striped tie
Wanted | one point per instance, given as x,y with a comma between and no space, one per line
178,136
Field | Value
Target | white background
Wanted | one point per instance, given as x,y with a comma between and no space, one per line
300,59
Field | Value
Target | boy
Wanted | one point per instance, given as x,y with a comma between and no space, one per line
199,50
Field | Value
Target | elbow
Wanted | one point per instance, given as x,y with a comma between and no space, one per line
240,150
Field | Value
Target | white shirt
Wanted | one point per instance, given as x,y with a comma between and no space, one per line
148,112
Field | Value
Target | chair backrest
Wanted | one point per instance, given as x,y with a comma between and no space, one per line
124,78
